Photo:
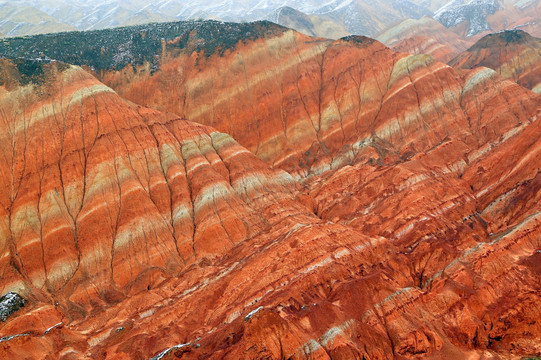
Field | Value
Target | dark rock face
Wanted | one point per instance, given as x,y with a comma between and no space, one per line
10,303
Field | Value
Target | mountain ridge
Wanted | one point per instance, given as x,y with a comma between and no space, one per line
102,14
118,47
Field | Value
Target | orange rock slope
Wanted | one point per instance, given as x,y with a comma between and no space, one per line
424,36
407,225
310,105
513,54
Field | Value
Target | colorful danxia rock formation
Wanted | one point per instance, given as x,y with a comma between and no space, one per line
424,36
289,198
513,54
428,36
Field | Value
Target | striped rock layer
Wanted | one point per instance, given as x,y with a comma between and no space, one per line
428,36
424,36
408,225
513,54
310,105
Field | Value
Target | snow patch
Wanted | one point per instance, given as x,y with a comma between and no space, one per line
7,338
474,11
52,327
252,313
167,351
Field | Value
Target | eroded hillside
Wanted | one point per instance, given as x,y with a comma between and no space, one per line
406,225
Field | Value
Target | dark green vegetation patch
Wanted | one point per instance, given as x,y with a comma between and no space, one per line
505,37
27,71
115,48
31,71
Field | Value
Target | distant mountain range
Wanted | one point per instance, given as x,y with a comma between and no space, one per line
331,18
442,28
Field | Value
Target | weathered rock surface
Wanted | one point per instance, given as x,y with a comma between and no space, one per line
513,54
413,230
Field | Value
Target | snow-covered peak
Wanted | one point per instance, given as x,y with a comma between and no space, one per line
474,11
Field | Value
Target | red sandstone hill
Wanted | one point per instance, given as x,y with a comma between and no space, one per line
513,54
311,105
424,36
407,227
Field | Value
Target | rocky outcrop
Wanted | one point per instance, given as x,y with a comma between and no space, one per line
513,54
407,225
10,303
